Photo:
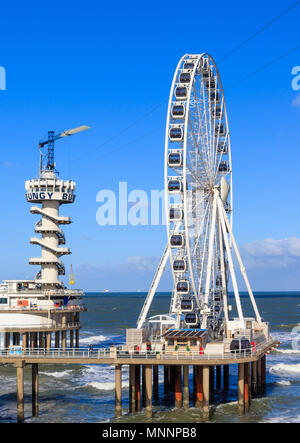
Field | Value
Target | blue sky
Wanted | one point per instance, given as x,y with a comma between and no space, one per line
107,65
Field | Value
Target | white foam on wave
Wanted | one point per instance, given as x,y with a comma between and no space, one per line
94,339
288,351
282,369
58,374
104,386
283,382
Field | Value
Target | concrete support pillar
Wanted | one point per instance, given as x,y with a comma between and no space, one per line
155,382
57,339
263,373
132,389
20,390
64,339
33,340
254,379
35,390
206,384
148,383
246,387
178,387
48,345
71,338
77,338
241,388
198,371
137,388
186,393
118,391
77,330
14,338
143,387
218,377
166,379
24,341
41,340
225,378
7,339
259,378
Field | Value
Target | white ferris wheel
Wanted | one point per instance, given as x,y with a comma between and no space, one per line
199,205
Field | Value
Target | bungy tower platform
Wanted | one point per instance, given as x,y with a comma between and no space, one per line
34,312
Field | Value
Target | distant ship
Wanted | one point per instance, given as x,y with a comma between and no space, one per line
106,290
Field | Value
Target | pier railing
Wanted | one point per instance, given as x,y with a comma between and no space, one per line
114,354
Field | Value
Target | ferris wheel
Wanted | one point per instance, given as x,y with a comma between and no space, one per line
198,197
197,161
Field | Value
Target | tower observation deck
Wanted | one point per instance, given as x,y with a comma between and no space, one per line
50,192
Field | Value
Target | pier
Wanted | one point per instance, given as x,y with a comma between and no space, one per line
143,375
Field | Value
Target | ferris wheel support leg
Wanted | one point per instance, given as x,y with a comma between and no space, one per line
242,267
153,288
230,262
210,256
224,284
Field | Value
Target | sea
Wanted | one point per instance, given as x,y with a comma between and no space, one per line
85,393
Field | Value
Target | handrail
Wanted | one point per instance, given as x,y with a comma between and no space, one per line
115,354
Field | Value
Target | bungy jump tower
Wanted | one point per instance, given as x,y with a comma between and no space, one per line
199,208
31,311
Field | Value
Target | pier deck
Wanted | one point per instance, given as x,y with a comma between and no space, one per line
104,356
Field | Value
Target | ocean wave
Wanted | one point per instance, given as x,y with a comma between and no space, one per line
282,369
283,382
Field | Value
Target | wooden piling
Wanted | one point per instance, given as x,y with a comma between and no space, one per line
56,340
259,378
19,365
246,387
198,371
186,393
206,385
35,390
155,382
118,391
254,379
178,387
64,339
148,390
143,387
7,339
137,388
263,373
48,345
71,338
132,389
24,341
241,388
